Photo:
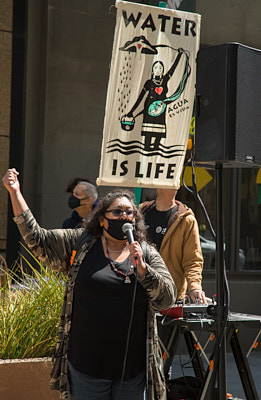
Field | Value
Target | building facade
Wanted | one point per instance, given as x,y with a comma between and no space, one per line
55,60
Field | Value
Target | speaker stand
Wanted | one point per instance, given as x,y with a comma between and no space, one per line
220,283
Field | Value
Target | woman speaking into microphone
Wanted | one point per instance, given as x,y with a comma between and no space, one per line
107,345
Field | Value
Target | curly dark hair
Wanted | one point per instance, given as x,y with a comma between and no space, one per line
93,223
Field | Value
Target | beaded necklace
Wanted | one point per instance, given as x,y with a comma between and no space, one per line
115,269
115,251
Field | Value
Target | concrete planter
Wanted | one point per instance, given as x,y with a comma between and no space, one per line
26,379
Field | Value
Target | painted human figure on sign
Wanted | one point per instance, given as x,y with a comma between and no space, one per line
156,101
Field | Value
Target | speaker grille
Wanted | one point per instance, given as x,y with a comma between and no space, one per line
228,120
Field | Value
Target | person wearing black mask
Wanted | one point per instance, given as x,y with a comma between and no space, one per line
107,344
82,201
73,182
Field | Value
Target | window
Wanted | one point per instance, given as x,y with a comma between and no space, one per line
241,219
250,227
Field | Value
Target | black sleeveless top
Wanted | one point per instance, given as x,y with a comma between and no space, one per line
100,319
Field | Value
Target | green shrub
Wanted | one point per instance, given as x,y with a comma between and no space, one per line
30,307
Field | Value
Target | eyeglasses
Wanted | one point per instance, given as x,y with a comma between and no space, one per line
117,212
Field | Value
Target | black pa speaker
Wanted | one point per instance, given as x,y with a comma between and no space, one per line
228,116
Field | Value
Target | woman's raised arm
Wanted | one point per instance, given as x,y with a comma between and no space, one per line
11,183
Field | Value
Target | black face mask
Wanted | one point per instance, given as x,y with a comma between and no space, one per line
115,228
74,202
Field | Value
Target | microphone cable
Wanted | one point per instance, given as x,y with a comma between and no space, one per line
129,330
195,192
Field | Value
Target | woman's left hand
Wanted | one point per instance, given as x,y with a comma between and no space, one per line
136,258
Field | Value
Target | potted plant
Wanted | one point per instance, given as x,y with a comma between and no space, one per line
30,305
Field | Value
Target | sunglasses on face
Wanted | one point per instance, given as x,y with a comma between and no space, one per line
117,212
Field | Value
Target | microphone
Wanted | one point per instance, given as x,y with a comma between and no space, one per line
127,229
